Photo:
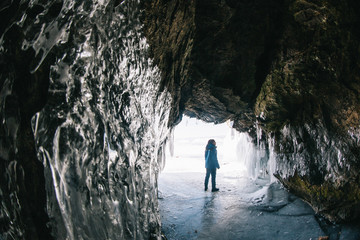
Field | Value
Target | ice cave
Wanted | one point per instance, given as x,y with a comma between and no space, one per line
93,90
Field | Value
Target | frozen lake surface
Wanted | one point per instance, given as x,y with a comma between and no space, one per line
242,209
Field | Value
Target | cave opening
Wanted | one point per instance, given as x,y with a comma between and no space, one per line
186,210
248,198
185,152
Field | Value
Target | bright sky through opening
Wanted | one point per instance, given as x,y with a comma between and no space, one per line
190,139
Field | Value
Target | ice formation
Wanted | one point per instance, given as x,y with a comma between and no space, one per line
101,162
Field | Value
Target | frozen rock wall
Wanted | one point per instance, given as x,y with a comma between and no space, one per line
101,132
310,103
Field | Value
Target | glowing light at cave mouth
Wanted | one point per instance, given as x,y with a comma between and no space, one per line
235,150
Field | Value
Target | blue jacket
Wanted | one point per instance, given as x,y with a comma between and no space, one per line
211,160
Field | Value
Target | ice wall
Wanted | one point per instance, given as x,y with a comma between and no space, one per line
101,133
315,151
257,156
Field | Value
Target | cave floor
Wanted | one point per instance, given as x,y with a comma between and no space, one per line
242,209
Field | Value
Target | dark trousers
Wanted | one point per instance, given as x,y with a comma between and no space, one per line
212,172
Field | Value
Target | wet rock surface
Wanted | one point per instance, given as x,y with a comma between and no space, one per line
217,60
83,122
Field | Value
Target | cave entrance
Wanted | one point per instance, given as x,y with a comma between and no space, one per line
189,212
186,152
238,154
248,197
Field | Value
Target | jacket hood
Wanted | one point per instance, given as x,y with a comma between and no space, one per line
210,146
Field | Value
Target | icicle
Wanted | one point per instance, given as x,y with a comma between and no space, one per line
171,142
258,133
272,159
35,123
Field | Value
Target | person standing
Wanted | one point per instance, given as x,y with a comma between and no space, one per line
211,164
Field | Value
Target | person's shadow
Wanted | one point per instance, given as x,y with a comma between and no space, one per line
209,212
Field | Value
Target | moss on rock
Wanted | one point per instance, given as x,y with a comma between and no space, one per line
337,203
